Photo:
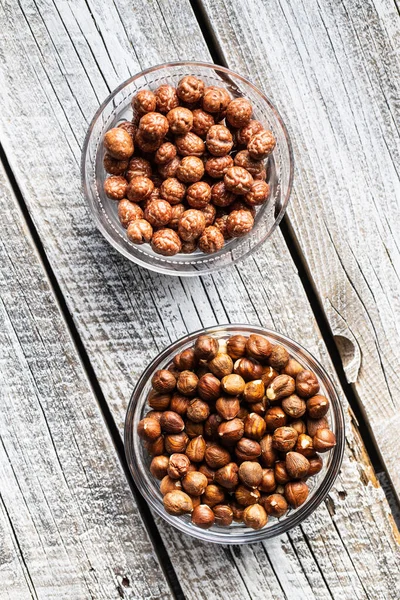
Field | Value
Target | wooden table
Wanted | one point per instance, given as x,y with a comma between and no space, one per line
79,323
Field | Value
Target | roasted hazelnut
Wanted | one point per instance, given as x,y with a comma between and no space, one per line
165,153
190,89
304,444
254,426
168,485
236,346
244,160
261,145
209,387
215,99
275,505
173,191
187,383
176,442
250,473
220,196
279,356
219,140
178,465
280,387
163,381
268,483
284,438
221,365
154,414
227,407
280,472
198,410
314,424
237,511
128,212
209,211
139,189
248,368
324,440
238,112
159,401
258,194
185,360
247,449
275,417
198,194
233,384
254,516
138,167
179,404
317,406
294,406
191,225
217,166
149,429
211,426
268,374
153,126
231,431
118,143
203,516
194,429
144,102
246,496
177,503
206,347
223,515
268,453
208,472
190,169
202,121
213,495
246,132
299,426
180,120
159,466
297,465
175,372
296,493
189,144
292,368
196,500
171,422
260,407
139,231
227,476
254,391
155,447
216,456
316,465
194,483
171,168
306,384
196,449
258,347
166,98
115,187
238,180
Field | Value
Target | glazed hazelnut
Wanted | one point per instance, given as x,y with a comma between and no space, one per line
179,404
194,483
280,472
128,212
209,387
165,153
158,213
236,346
223,515
191,225
137,167
299,426
306,384
254,426
316,465
118,143
144,102
202,121
189,144
220,223
177,211
279,356
170,169
168,485
227,476
208,472
198,194
176,442
254,391
209,212
190,89
304,444
220,196
180,120
177,503
155,447
317,406
216,456
284,438
171,422
173,191
250,473
130,127
219,140
166,98
244,160
268,483
158,401
113,165
190,169
233,384
324,440
248,368
213,494
294,406
139,188
215,99
246,496
246,132
115,187
239,223
217,166
268,453
198,410
185,360
166,242
247,449
257,195
221,365
203,516
297,465
261,145
194,429
149,429
206,347
241,205
196,448
275,505
275,417
268,374
178,465
163,381
296,493
153,126
314,424
261,176
145,145
231,431
255,516
238,180
159,466
238,112
280,387
139,231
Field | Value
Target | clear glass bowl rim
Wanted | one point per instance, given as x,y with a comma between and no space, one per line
300,514
213,267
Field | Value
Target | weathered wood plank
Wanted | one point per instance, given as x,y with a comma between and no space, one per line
125,315
69,525
333,70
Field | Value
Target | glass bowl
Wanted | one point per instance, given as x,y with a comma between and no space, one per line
117,108
237,533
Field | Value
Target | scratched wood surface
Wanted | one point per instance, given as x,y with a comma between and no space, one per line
58,61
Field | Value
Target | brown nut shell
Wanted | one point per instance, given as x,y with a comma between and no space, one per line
177,503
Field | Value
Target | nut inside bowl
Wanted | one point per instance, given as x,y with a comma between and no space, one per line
236,533
117,108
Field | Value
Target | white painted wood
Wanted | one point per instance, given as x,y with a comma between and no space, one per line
126,315
69,527
333,70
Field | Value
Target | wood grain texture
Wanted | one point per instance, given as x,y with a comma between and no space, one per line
69,527
333,70
57,62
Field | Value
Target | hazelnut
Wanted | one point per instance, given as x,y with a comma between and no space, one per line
194,429
219,140
254,391
244,160
202,121
198,194
238,112
324,440
220,196
299,426
209,387
258,194
275,505
173,191
281,474
250,473
304,444
198,410
165,153
314,424
279,356
190,89
297,465
216,456
227,407
138,167
246,132
260,407
203,516
255,516
221,365
180,120
171,168
296,493
284,438
238,180
168,485
159,466
196,449
153,126
247,449
196,500
139,188
149,429
191,225
233,384
241,205
254,426
163,381
258,347
261,176
154,414
139,231
306,384
227,476
185,360
145,145
190,169
317,406
128,212
316,465
261,145
268,374
268,483
187,383
220,223
171,422
231,431
159,401
113,165
178,465
130,127
176,442
206,347
166,242
215,99
268,453
246,496
166,98
208,472
236,346
177,503
189,144
281,387
294,406
155,447
217,166
144,102
194,483
118,143
179,404
158,213
177,211
248,368
211,240
223,515
209,211
275,417
115,187
213,494
237,511
211,426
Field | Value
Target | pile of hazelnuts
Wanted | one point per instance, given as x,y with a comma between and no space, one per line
189,169
235,431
